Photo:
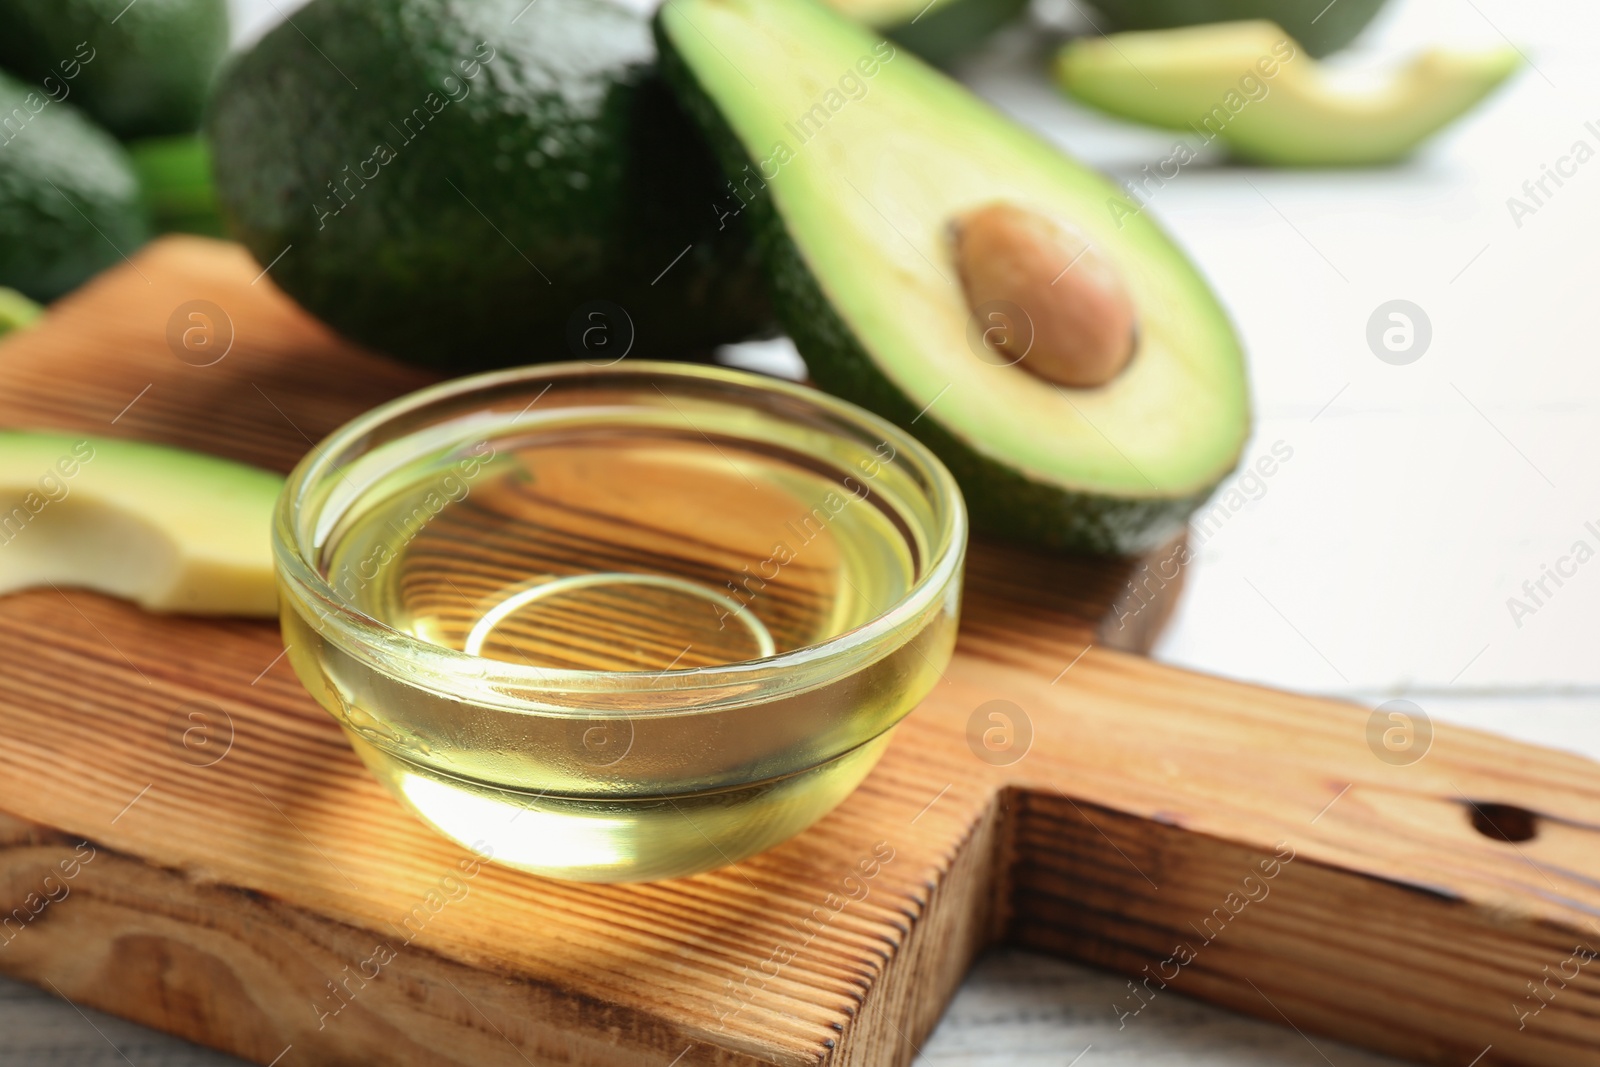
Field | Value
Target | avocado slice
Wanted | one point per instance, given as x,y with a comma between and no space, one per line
853,201
16,311
1322,28
512,183
69,199
168,529
939,31
1248,85
139,69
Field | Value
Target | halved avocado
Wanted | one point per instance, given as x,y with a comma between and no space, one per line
937,30
853,200
1249,85
168,529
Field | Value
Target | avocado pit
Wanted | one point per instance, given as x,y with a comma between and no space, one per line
1081,314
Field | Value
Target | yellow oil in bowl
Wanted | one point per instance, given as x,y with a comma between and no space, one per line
621,624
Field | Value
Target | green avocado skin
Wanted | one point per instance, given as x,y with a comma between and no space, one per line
1321,30
465,222
946,33
70,203
1003,502
146,67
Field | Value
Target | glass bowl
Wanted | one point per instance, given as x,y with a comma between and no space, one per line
624,623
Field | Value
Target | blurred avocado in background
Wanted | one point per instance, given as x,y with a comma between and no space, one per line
140,69
1183,79
1321,28
78,75
70,203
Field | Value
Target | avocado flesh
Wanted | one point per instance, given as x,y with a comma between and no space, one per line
167,529
939,31
1321,27
139,69
1304,118
853,228
69,199
502,168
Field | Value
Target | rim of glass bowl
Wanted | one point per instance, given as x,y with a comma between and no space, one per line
530,689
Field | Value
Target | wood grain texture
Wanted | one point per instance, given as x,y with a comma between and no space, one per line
239,903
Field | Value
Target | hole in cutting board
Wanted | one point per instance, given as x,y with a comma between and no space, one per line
1504,822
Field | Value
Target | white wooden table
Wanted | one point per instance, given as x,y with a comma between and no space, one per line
1378,561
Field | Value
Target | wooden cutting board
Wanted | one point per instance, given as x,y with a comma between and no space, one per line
239,880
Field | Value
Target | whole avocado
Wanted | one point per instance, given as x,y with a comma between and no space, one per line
70,203
483,184
139,69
